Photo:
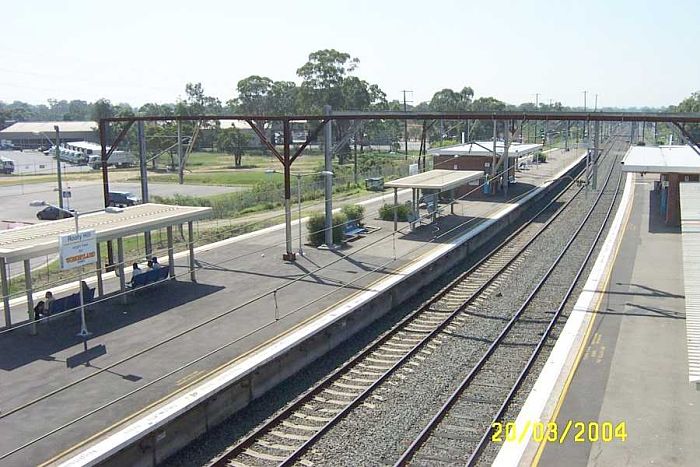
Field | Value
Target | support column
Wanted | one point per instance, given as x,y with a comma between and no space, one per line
98,266
105,187
144,181
180,169
190,245
289,254
171,252
494,159
594,169
396,205
328,164
120,268
5,293
29,286
506,175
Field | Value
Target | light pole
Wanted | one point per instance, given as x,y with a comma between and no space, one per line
58,163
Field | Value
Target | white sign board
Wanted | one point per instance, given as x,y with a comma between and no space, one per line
412,169
77,249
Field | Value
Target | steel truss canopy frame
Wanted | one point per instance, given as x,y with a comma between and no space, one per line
505,115
286,157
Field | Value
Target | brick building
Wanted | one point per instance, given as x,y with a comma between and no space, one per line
479,155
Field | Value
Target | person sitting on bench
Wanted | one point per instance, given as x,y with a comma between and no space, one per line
48,304
137,271
40,310
154,263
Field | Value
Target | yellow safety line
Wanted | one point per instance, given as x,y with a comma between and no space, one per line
230,362
594,313
221,367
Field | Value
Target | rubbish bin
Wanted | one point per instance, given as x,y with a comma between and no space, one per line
374,184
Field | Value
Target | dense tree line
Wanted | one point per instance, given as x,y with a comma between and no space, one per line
326,78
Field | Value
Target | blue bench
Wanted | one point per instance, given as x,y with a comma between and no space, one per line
71,302
352,230
148,277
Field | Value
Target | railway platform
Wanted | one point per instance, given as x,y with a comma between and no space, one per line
61,403
631,370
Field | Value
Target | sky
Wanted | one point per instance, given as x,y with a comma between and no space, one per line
628,52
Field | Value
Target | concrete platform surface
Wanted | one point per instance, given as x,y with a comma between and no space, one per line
634,367
232,306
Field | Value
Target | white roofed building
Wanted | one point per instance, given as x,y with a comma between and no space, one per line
31,135
673,164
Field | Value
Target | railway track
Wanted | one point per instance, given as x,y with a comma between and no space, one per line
283,439
461,429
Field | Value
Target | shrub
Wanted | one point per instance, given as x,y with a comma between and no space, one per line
354,212
316,224
386,212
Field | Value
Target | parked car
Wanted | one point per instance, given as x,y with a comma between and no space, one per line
52,213
123,198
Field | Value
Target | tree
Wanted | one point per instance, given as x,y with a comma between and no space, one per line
232,141
102,108
322,79
253,95
691,104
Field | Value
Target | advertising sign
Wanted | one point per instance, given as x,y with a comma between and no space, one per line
77,249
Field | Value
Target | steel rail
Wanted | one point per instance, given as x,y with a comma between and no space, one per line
452,399
240,447
523,374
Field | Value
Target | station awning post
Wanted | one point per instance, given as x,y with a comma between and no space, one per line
190,244
98,270
396,206
120,268
144,181
29,287
286,161
171,253
5,293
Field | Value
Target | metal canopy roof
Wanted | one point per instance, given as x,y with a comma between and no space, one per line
42,239
661,159
439,179
690,226
484,148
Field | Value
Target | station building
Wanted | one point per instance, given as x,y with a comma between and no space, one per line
672,165
479,155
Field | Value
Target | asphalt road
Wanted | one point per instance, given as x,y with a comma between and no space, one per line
86,196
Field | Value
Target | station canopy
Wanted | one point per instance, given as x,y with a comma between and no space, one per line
485,148
439,179
42,239
661,159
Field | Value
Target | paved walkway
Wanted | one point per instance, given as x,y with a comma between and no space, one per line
231,304
634,368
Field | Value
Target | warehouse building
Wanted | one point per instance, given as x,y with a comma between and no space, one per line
32,135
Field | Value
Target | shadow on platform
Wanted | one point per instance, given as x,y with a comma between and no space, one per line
18,348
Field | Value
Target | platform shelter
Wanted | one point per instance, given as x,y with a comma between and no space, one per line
673,165
426,188
38,240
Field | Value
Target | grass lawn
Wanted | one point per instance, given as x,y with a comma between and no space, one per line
228,177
